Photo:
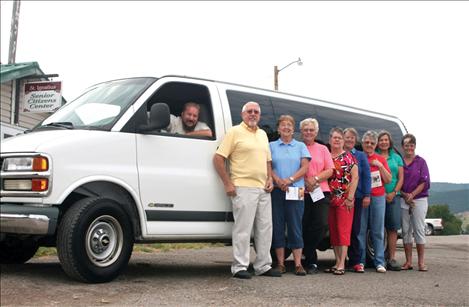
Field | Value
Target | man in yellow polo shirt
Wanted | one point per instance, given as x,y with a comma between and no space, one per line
249,184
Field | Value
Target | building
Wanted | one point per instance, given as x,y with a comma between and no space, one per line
13,78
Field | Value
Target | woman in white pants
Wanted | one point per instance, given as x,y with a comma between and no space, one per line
414,202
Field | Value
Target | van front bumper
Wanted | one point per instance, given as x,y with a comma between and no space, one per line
22,219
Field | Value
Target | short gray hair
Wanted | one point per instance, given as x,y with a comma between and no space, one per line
352,131
337,130
249,103
310,121
371,134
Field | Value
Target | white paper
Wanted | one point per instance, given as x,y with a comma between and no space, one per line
295,193
376,179
317,194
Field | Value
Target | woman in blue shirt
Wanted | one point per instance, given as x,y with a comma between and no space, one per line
290,161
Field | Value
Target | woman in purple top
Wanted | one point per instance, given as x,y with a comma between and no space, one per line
414,202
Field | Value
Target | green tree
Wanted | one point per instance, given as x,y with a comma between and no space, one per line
452,225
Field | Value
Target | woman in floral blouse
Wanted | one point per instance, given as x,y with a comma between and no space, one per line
343,184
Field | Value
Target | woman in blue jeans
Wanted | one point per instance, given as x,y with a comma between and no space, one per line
392,220
373,215
290,161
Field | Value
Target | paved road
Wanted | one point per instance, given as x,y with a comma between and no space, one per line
201,277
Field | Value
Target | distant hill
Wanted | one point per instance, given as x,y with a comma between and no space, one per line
455,195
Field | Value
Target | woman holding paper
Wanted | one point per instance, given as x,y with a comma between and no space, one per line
290,160
373,216
343,184
316,210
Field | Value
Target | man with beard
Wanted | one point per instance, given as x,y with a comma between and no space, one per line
188,123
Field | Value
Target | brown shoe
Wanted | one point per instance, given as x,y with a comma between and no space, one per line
281,268
299,271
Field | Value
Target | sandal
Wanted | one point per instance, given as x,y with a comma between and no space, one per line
300,271
423,268
330,270
339,272
406,267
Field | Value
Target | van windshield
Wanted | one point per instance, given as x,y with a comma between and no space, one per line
99,107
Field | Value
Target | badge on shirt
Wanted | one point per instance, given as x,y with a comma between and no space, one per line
317,194
376,179
295,193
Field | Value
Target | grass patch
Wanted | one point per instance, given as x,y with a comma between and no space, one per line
46,251
164,247
144,248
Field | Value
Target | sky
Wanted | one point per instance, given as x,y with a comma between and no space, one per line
407,59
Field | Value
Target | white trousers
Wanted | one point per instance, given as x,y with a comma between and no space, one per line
252,211
414,224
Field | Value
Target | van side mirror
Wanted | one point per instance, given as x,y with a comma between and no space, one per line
159,118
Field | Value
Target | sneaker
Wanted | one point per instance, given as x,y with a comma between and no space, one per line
359,268
281,268
312,269
300,271
393,265
272,273
243,274
380,269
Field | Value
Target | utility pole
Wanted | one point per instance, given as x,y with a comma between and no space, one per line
276,71
15,16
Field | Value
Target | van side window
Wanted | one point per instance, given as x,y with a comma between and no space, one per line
329,118
176,95
298,110
268,121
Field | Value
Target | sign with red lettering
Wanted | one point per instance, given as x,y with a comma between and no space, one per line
42,96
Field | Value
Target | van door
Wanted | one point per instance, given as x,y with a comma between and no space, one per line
181,193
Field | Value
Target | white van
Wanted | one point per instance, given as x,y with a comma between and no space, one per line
101,173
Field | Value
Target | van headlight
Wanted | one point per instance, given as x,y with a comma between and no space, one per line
25,175
25,164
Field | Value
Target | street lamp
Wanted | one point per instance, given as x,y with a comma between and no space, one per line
276,71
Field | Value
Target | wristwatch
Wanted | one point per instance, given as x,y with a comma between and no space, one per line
291,179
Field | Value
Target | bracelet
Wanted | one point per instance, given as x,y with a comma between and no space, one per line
316,178
349,199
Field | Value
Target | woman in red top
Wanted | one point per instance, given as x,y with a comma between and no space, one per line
343,183
373,215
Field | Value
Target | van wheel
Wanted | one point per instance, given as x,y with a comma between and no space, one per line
17,251
370,252
95,240
429,230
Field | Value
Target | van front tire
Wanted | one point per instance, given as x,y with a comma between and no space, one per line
95,240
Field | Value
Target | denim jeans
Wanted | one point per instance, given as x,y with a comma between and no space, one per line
354,251
373,218
287,213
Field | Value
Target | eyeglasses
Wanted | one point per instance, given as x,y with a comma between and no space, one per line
369,143
308,130
252,111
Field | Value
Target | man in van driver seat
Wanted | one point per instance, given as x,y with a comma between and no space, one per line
188,123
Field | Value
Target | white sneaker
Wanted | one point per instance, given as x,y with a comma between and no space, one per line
380,269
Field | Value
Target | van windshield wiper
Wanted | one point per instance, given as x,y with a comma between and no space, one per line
65,125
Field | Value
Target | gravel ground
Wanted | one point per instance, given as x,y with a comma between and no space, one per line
202,277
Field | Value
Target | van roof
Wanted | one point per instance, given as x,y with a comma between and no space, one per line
279,92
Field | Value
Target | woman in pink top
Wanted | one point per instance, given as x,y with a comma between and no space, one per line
316,211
